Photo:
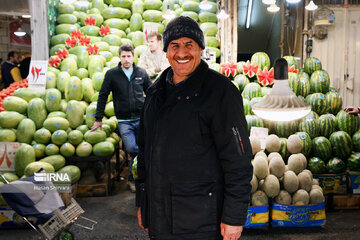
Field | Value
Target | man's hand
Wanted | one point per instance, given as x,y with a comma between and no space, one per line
230,232
139,219
97,124
352,110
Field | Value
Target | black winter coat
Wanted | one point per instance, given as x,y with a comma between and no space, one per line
194,163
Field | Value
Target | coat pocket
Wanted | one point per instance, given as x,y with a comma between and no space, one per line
194,207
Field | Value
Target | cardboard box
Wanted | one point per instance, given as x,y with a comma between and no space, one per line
354,182
298,216
349,201
10,219
257,217
333,183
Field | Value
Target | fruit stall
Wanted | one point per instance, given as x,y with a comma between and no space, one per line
303,167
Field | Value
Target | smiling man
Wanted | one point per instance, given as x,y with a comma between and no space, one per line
194,162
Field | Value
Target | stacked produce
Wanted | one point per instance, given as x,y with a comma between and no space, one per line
290,184
9,91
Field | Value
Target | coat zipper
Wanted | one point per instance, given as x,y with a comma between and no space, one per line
238,140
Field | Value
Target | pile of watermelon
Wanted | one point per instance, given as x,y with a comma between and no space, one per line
9,91
330,136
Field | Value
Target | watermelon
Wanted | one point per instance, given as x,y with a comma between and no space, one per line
319,82
25,131
311,65
294,83
189,5
190,14
305,142
356,141
67,149
82,55
334,102
98,19
24,155
353,162
137,6
321,147
69,65
247,108
94,137
316,165
251,90
109,109
253,121
34,167
56,114
134,168
318,103
336,165
56,123
59,137
90,115
10,119
39,150
327,125
17,104
82,73
52,99
51,149
347,122
212,42
207,17
209,28
61,81
304,88
75,114
10,177
50,80
261,59
341,144
103,149
152,16
84,149
42,136
59,39
73,89
66,18
283,148
26,93
64,8
57,161
291,61
212,9
37,111
7,135
74,172
65,28
285,129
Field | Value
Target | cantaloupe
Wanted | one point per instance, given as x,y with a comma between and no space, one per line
283,198
286,168
294,144
317,187
254,184
260,154
295,163
303,159
259,198
261,185
255,144
277,167
291,182
316,196
305,182
300,198
315,182
310,174
261,168
271,186
272,143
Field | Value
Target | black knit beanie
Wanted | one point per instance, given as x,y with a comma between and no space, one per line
183,27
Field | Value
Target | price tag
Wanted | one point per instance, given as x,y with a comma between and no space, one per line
261,134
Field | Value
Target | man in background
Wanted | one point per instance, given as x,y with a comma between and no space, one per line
153,60
9,69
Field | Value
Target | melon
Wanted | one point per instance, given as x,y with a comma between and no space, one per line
277,167
316,196
255,144
34,167
260,154
254,184
305,181
314,186
271,186
315,182
273,143
261,168
283,198
301,198
259,198
273,155
294,144
303,159
295,163
290,182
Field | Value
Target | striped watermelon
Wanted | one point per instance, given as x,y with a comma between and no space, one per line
251,90
303,74
318,103
304,88
283,149
271,125
321,147
331,89
319,82
285,129
309,125
241,81
291,61
356,141
253,102
347,122
305,142
341,144
253,121
353,162
336,165
261,59
316,165
311,65
265,90
334,101
327,125
294,82
313,115
247,108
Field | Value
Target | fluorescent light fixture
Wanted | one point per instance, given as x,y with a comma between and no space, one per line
20,32
293,1
248,14
205,5
311,6
222,14
268,2
67,1
273,8
26,16
281,104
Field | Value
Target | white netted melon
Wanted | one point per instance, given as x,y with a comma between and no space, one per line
310,174
277,167
283,198
271,186
295,163
261,154
305,181
294,144
316,196
261,167
315,182
300,198
274,154
290,182
259,198
303,159
272,143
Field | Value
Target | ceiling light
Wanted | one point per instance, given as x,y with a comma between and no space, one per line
222,14
205,5
248,14
293,1
311,6
67,1
268,2
273,8
26,16
281,104
20,32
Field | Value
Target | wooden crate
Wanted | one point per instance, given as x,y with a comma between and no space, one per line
346,201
